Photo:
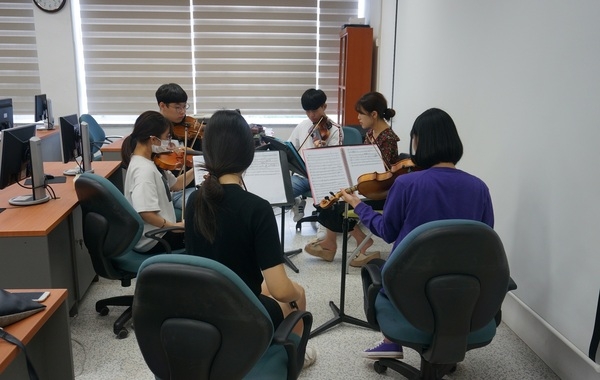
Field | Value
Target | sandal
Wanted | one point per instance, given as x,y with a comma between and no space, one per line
363,258
314,248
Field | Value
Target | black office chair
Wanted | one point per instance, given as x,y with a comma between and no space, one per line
444,285
351,136
196,319
111,228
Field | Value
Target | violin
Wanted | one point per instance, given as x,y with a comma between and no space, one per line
194,127
375,185
174,160
321,131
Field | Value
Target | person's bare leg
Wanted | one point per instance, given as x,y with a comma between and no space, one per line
286,308
359,235
330,241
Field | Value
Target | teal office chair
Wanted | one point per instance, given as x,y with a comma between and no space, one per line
196,319
351,136
98,137
443,288
111,228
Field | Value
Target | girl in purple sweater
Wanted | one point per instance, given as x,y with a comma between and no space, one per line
439,191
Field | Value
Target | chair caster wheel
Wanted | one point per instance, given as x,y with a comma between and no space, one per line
379,368
122,334
103,311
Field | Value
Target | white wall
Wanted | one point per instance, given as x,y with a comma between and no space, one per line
56,55
520,79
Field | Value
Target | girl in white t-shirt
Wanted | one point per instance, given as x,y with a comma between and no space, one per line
147,187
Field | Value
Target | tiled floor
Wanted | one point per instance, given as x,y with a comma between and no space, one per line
98,355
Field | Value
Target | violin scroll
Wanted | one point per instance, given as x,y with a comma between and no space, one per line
329,201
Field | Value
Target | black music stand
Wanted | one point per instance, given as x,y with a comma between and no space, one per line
296,165
338,312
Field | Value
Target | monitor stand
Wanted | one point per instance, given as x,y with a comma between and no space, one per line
27,200
75,171
37,178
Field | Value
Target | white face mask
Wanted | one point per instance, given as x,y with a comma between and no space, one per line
164,146
159,149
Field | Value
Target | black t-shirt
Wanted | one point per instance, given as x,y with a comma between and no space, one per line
247,239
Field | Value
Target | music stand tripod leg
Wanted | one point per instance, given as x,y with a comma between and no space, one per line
287,254
338,312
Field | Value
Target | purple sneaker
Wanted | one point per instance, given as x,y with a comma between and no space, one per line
384,349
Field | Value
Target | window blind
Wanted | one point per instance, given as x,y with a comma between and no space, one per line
257,56
132,47
19,70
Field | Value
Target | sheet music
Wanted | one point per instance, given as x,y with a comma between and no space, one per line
263,177
326,171
332,168
362,159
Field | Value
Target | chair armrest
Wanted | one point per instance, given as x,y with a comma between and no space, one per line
512,285
372,285
112,138
295,351
153,234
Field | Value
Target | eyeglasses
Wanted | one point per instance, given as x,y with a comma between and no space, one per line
179,107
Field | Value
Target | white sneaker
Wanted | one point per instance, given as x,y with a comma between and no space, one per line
298,208
321,232
310,356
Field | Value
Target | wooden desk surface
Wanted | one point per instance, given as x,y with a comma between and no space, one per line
39,220
115,146
45,133
26,329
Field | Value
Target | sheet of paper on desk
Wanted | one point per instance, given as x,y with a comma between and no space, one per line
262,178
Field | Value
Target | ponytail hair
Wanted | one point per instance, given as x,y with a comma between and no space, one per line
228,148
375,101
148,124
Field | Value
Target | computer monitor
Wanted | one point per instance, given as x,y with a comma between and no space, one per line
72,134
21,157
43,111
6,114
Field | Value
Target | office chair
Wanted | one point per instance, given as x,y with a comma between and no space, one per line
98,137
351,136
111,228
444,285
196,319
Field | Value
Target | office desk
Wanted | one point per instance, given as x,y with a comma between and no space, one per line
112,151
47,338
51,151
42,245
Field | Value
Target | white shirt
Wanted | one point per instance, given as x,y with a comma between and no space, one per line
146,190
301,131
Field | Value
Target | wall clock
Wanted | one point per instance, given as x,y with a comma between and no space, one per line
50,5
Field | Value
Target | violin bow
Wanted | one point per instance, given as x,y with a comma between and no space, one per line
310,132
197,132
